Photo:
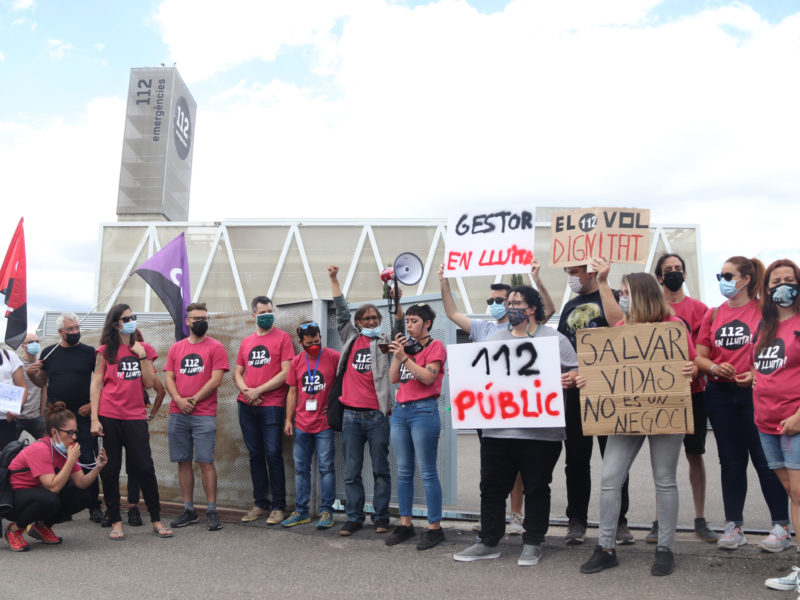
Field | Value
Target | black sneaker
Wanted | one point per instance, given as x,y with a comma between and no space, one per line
134,518
106,522
382,526
96,514
704,532
600,560
350,528
401,533
187,517
664,563
430,538
212,520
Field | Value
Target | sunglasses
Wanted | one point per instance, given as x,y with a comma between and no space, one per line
491,301
725,276
128,319
73,433
309,324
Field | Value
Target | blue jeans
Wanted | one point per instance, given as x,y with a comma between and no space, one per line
262,428
304,444
358,428
730,410
415,431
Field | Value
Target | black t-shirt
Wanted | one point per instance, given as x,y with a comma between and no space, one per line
582,312
69,374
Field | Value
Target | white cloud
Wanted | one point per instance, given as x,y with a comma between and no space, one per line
2,57
58,49
99,47
23,5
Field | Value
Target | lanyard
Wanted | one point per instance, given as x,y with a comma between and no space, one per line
312,376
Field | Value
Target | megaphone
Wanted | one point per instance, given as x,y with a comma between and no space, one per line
408,270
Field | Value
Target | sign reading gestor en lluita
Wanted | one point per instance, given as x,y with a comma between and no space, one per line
634,381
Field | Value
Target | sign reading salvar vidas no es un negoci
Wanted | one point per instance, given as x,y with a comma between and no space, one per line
509,383
634,381
496,242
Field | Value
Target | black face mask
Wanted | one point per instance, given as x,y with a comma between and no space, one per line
413,346
199,328
73,338
673,281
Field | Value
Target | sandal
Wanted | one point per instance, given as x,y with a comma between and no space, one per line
163,532
117,535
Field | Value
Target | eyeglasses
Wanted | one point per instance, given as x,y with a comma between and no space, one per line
128,319
196,319
73,433
725,276
309,324
491,301
517,304
370,318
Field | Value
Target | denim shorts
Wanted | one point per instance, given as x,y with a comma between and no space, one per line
191,432
782,451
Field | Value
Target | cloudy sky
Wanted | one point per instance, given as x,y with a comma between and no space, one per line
408,108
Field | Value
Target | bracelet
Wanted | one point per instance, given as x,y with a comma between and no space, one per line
713,366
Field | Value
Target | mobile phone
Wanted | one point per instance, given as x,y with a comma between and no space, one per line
384,348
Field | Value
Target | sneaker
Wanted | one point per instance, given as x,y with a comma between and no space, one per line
515,525
212,520
576,532
401,533
325,520
478,551
787,584
187,517
624,535
476,527
382,526
600,560
134,517
44,534
664,563
530,556
275,517
732,537
652,535
16,543
430,538
777,541
96,514
702,530
254,514
350,527
106,522
296,518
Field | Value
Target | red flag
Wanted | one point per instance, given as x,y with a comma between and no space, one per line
12,286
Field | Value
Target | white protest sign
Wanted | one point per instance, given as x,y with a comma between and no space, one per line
509,383
497,242
11,398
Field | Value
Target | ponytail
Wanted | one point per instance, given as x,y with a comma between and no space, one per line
752,267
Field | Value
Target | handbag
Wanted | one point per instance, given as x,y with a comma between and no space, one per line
335,412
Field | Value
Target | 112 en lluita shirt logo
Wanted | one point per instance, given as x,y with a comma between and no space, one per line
313,384
733,335
362,360
128,368
192,364
405,374
258,357
771,358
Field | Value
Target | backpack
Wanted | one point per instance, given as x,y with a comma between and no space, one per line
8,454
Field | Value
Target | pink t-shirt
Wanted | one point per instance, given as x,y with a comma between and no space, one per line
123,390
193,365
691,311
42,459
410,389
358,387
776,394
313,385
261,357
730,337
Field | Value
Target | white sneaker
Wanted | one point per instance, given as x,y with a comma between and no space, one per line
530,556
778,540
732,537
787,583
478,551
515,525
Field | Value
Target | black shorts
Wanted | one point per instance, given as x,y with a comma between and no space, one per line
695,443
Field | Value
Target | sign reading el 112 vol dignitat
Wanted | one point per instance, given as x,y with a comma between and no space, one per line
494,242
509,383
634,381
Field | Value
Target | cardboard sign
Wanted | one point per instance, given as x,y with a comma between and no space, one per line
11,398
616,234
634,381
513,383
492,243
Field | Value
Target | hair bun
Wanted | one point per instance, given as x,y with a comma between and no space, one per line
56,407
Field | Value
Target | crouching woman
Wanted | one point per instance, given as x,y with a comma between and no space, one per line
49,484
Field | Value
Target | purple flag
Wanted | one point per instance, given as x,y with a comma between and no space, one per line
167,272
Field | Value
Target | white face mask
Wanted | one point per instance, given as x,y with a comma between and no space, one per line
625,303
574,283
